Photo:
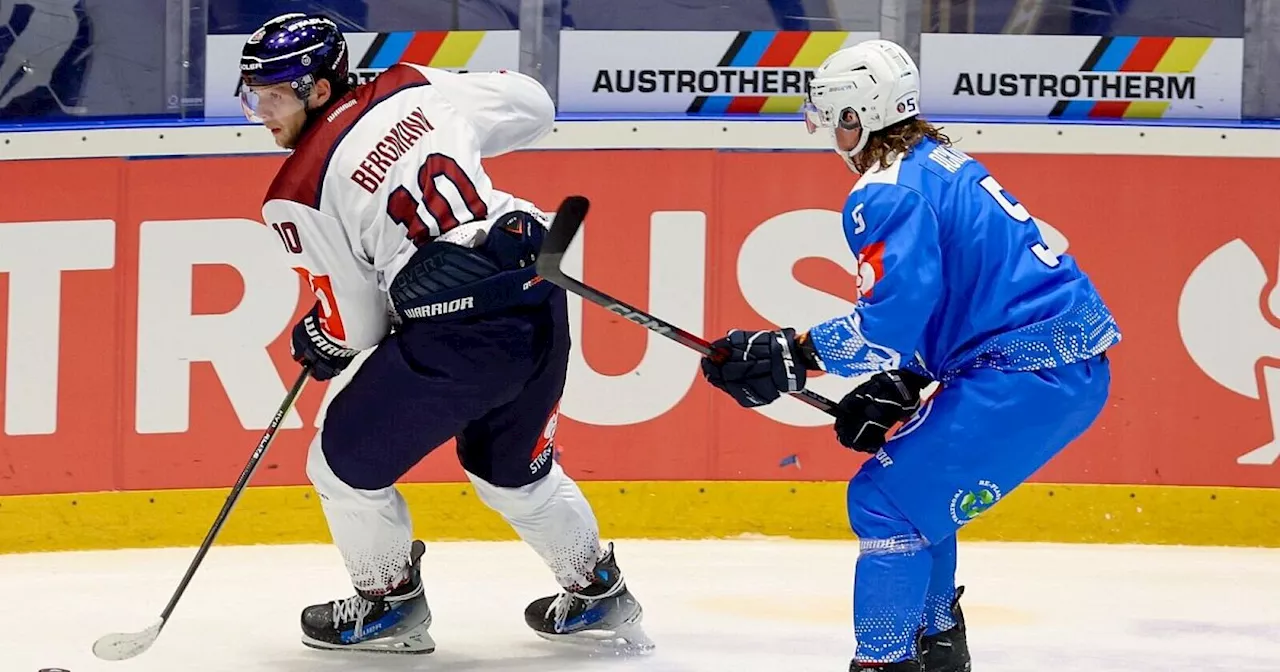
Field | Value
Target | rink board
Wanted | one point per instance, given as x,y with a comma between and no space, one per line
654,510
159,410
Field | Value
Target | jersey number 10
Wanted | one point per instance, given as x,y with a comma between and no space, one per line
402,207
1019,212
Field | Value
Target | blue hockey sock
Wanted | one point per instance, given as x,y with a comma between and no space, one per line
891,580
942,587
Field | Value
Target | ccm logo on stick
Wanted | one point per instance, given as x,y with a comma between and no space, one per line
639,318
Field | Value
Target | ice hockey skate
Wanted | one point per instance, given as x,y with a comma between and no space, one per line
602,615
948,651
394,623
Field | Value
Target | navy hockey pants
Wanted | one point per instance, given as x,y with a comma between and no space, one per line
494,383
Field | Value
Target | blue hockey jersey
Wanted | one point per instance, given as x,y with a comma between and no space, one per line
953,274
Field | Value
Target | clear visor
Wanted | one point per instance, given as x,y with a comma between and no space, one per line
267,103
813,118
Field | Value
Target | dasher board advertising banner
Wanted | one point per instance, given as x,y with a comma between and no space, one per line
371,53
1082,77
695,72
144,326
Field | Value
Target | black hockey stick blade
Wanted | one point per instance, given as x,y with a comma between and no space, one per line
569,218
125,645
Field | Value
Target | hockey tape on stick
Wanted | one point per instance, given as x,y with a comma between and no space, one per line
125,645
569,217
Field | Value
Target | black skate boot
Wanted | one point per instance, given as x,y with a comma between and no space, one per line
393,623
602,614
948,651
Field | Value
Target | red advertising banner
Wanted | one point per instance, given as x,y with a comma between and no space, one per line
148,310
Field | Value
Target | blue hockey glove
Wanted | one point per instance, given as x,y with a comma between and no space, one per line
756,367
310,344
873,409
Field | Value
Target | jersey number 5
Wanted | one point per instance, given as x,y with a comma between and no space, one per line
402,207
1019,212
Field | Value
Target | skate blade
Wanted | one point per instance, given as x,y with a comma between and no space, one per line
628,640
414,641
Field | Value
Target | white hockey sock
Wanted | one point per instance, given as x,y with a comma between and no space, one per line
371,528
554,518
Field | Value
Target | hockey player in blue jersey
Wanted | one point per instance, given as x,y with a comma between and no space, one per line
957,288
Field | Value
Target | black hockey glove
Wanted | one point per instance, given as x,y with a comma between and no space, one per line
311,345
756,367
872,409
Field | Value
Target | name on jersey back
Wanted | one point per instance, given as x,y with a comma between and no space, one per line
399,139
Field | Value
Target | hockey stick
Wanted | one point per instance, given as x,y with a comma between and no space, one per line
572,212
121,646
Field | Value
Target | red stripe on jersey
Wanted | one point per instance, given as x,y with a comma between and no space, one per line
300,178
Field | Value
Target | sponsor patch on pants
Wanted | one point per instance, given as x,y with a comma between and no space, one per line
546,445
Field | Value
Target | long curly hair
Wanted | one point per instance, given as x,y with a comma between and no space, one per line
885,145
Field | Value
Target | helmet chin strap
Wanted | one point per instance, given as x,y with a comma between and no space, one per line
848,120
848,160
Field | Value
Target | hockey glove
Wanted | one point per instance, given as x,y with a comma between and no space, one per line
756,367
311,345
873,409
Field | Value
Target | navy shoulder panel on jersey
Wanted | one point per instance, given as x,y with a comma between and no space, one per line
301,177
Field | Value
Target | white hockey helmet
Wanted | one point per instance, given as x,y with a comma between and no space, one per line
872,85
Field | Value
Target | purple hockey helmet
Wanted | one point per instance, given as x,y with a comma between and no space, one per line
291,48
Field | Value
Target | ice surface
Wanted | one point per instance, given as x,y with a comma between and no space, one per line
727,606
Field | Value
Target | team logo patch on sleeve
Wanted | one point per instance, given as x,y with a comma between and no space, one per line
870,268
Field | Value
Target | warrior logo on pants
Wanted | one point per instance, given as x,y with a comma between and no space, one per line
546,445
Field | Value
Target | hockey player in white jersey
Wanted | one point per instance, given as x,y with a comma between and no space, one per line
385,210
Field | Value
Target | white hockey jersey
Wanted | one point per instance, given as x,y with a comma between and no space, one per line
392,166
